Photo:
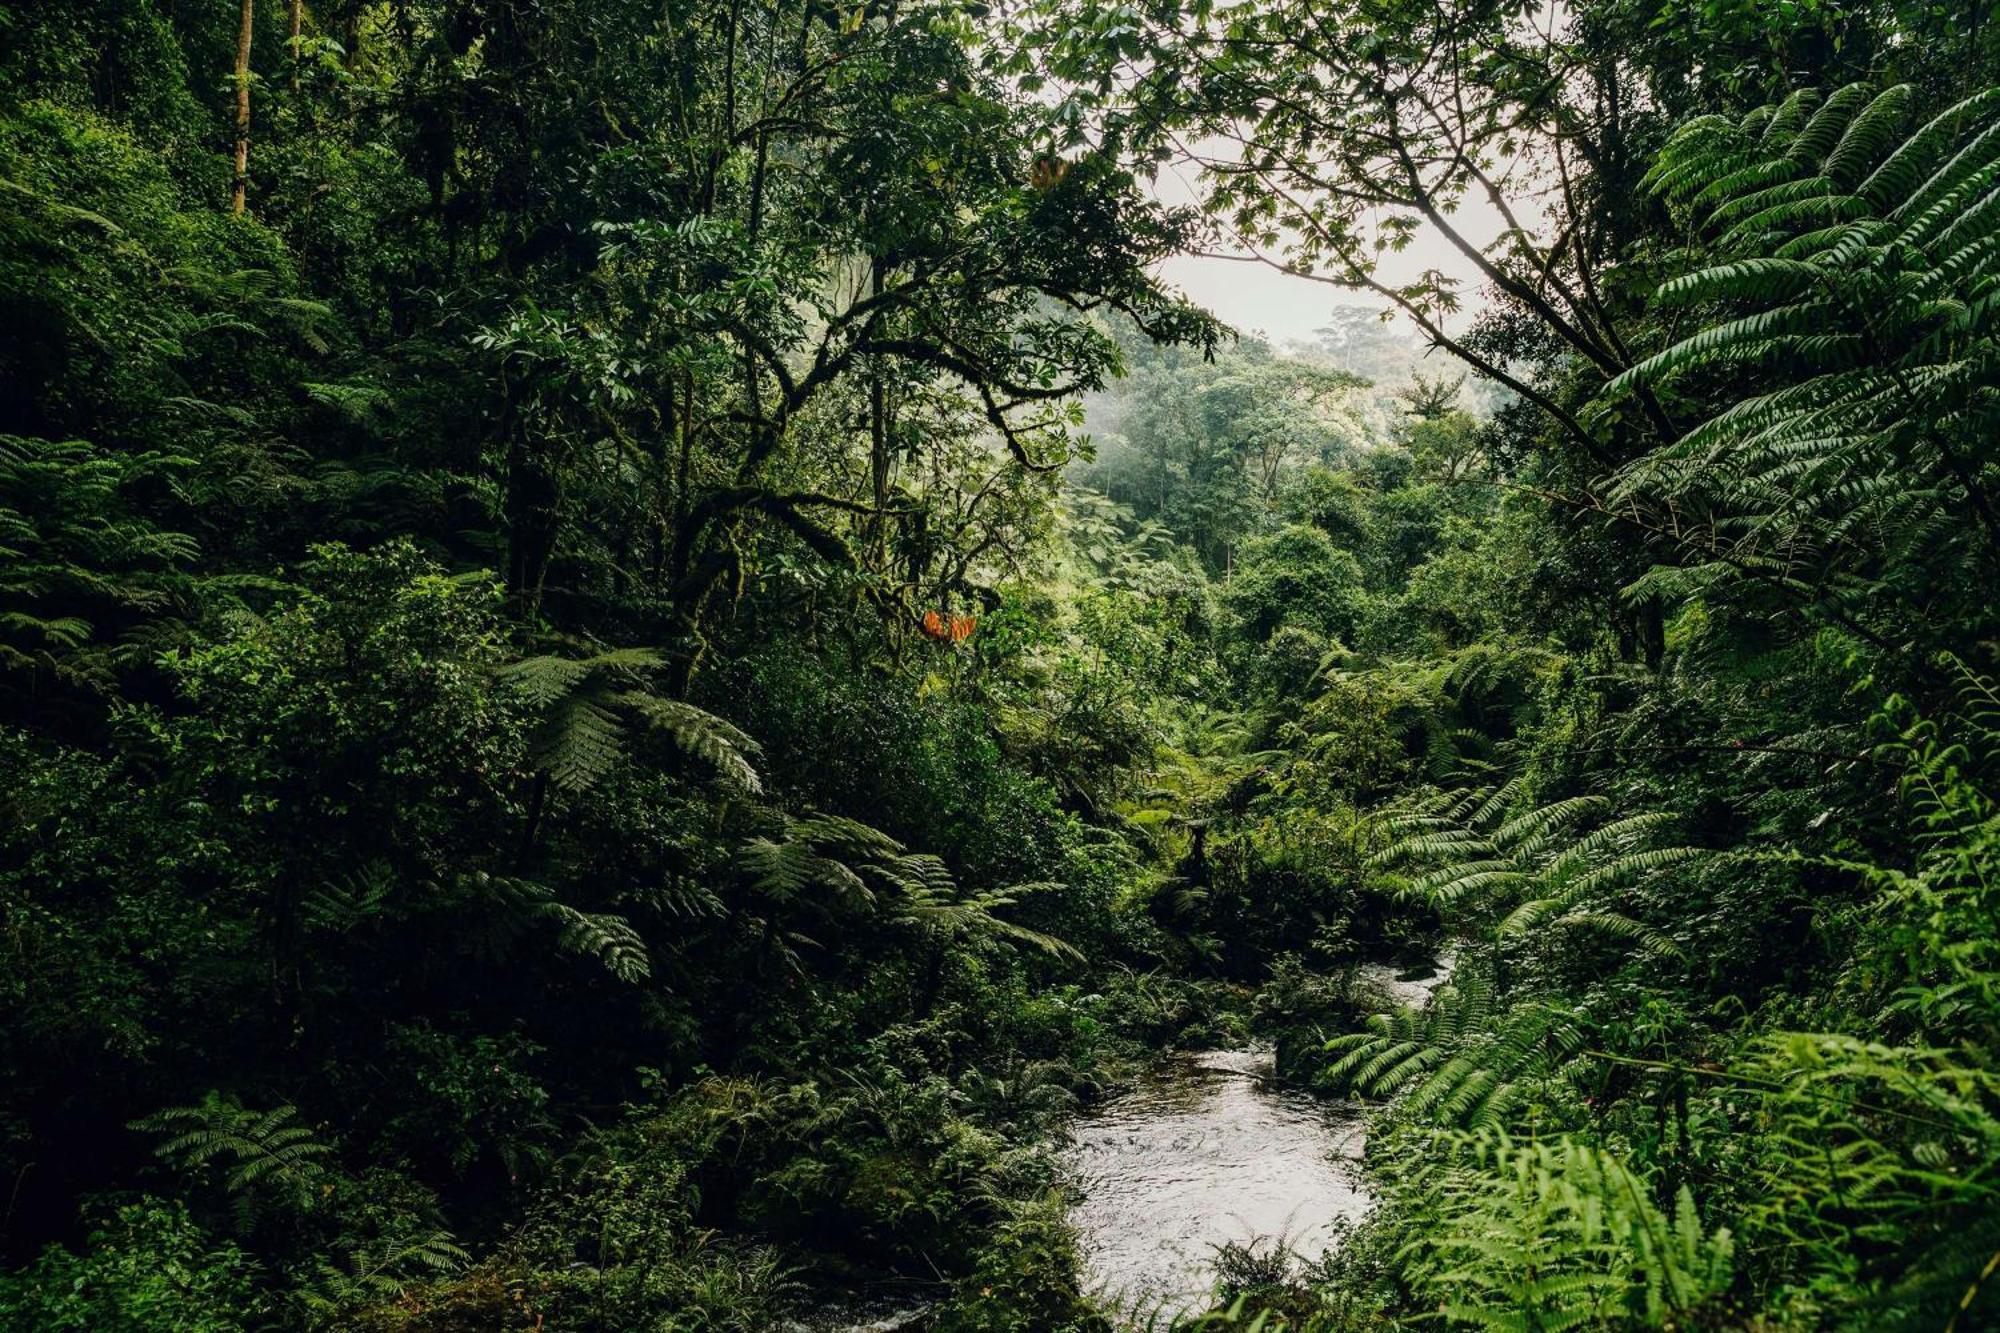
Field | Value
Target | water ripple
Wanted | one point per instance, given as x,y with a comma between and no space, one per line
1205,1151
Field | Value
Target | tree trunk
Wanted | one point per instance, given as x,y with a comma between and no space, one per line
878,444
239,198
933,983
530,506
298,27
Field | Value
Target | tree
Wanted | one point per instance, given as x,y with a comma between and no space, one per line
1332,135
1297,576
1207,449
240,191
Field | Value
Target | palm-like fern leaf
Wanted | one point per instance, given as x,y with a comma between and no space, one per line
378,1272
865,869
1852,292
588,707
1466,1058
1561,862
255,1147
605,936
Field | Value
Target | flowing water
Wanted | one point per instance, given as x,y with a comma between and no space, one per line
1406,986
1208,1150
1205,1151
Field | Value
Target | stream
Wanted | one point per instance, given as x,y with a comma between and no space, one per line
1206,1150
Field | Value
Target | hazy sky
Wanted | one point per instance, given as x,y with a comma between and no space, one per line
1259,299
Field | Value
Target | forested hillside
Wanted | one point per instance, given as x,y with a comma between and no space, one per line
639,648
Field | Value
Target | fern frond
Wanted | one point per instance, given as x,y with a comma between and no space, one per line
723,746
256,1147
587,703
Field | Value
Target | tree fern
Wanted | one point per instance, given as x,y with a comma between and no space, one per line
1485,859
259,1151
1851,296
1546,1234
861,869
344,903
377,1272
1562,864
813,854
1466,1058
589,706
79,571
604,936
942,906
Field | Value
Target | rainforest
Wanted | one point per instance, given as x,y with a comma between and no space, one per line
999,666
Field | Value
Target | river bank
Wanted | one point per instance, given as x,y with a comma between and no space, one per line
1207,1160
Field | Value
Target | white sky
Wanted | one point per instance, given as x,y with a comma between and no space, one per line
1282,308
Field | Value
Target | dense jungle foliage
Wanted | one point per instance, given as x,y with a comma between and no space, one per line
638,646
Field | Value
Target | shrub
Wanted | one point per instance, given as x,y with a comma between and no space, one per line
146,1268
